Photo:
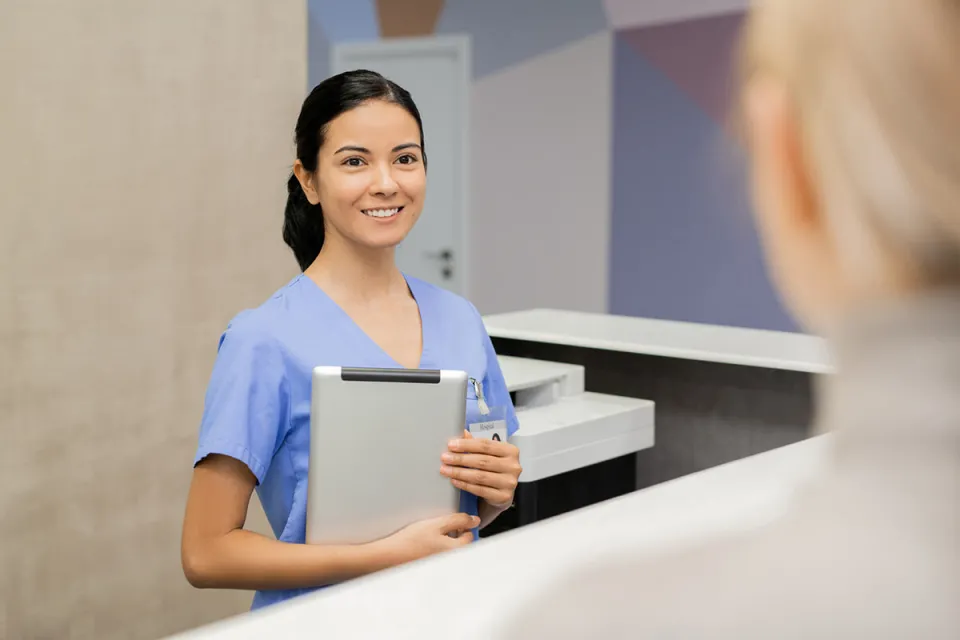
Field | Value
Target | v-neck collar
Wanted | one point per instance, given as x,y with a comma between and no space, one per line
413,285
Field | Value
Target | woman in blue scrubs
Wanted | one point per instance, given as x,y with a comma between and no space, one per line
357,189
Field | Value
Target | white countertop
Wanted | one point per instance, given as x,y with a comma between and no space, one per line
437,597
690,341
566,428
579,431
524,373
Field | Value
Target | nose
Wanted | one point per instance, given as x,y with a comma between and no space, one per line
384,183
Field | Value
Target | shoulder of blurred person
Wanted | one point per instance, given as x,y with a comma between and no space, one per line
871,548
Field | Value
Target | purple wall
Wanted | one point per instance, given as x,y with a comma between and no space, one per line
683,245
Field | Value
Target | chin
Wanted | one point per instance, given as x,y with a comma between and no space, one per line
383,241
388,236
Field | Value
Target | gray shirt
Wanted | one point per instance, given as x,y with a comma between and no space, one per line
870,549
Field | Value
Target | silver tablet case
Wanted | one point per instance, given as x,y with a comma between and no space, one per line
376,436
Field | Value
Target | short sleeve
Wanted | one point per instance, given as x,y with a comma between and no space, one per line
246,404
494,386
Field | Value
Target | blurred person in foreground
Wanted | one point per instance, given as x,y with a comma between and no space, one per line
852,114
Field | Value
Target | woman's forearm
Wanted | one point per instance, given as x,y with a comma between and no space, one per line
242,559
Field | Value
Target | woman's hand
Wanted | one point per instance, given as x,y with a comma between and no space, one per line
427,537
486,468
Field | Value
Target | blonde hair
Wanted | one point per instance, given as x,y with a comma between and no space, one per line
874,84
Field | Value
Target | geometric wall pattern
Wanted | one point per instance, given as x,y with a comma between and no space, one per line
683,245
414,18
665,186
631,14
507,32
354,20
695,55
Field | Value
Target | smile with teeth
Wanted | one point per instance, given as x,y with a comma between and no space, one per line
382,213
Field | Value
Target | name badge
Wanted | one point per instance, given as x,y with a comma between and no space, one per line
489,430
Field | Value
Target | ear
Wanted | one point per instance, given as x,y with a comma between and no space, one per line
782,179
308,182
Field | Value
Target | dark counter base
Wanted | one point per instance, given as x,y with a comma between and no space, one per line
566,492
706,414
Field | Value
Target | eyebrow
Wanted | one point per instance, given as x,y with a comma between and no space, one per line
399,147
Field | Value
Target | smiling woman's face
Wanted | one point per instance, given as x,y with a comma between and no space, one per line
370,178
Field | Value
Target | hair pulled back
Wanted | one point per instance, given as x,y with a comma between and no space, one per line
303,229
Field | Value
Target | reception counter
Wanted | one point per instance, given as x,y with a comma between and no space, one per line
720,393
464,594
570,436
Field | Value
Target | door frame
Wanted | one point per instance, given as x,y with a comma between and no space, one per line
459,46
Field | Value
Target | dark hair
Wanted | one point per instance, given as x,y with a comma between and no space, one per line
302,221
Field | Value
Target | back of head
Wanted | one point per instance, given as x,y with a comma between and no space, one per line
303,229
873,86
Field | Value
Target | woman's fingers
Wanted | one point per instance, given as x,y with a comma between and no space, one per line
481,462
483,478
486,468
457,522
491,495
485,447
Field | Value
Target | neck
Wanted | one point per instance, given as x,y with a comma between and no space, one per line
898,368
346,270
894,410
908,317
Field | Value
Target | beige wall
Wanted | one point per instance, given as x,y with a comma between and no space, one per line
558,214
144,147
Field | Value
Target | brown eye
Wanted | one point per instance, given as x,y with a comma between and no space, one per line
407,159
353,162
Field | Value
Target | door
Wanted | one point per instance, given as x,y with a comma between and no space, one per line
436,72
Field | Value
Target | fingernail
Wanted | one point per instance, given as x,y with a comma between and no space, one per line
444,469
476,520
447,457
454,443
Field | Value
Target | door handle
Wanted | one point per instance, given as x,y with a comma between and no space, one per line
446,257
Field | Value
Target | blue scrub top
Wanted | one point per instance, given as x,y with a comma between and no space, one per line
257,406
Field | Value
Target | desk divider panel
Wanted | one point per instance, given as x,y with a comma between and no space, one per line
706,413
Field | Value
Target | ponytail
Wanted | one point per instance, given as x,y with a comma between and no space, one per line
302,225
